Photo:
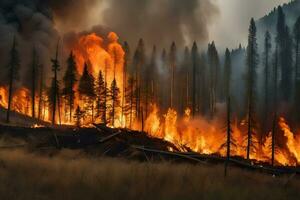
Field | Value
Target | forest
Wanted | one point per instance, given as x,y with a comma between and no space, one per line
195,97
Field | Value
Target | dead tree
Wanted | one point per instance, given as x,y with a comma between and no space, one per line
229,132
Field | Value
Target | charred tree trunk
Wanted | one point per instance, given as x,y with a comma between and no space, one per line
41,91
228,131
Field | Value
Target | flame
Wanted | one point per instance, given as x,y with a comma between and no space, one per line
109,59
292,142
205,136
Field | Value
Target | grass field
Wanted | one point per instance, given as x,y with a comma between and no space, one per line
71,175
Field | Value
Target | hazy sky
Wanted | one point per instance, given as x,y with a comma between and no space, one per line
232,24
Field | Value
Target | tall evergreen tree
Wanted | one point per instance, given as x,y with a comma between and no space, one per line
214,65
267,89
139,61
41,91
252,62
125,69
275,103
195,64
114,97
130,100
55,85
227,69
101,95
70,79
13,74
33,77
172,63
86,90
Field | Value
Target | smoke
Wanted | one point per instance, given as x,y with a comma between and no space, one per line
160,21
31,23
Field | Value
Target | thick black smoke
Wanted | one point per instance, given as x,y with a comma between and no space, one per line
34,23
161,21
30,21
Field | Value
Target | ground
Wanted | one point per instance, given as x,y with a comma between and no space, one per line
73,175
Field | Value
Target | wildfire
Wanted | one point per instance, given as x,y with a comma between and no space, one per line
205,136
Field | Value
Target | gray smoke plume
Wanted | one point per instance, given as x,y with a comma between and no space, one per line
161,21
35,23
30,21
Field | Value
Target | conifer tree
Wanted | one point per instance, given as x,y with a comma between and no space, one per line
267,51
41,91
33,77
114,98
130,100
227,69
125,69
70,79
213,62
101,95
13,75
252,62
54,91
194,63
86,90
275,103
172,63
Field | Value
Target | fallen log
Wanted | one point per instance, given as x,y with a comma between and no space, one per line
168,153
105,139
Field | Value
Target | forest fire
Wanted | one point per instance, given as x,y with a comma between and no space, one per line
102,85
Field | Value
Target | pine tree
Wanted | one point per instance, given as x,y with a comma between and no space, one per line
267,51
213,62
70,79
86,90
126,65
275,102
101,95
13,74
55,85
195,64
228,133
41,90
227,69
130,100
252,62
172,63
33,77
139,61
114,98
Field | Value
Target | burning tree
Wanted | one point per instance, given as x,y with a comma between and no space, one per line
252,60
86,89
114,98
101,93
70,80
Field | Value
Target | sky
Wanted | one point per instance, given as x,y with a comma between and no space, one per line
234,16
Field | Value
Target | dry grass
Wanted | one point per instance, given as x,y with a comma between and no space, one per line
27,176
